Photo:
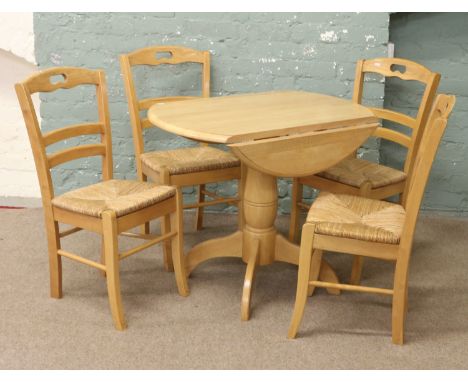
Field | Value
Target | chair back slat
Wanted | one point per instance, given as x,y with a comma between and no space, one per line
43,82
414,190
72,131
393,135
151,56
396,117
407,71
73,153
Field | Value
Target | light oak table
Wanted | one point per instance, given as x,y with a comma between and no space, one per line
282,133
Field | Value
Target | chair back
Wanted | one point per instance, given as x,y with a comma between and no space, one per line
414,188
408,71
153,56
69,77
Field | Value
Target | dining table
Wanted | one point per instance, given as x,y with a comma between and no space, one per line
274,134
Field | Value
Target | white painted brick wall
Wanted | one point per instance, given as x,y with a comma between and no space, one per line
17,172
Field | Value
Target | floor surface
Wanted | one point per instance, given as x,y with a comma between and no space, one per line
204,330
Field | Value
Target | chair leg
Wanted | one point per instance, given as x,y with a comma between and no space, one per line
199,215
55,261
358,261
103,256
315,265
165,224
296,197
167,248
178,258
399,306
356,270
144,228
240,195
305,259
109,225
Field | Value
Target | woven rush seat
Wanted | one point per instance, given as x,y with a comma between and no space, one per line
189,160
355,172
355,217
121,196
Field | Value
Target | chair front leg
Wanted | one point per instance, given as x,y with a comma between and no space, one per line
167,250
111,254
165,179
303,277
296,197
103,256
55,261
177,247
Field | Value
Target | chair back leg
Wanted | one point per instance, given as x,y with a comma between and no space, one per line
145,228
356,270
200,209
400,304
297,190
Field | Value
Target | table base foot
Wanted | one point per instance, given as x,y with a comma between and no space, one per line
232,246
248,281
228,246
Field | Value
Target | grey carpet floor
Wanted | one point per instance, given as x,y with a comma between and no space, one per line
204,331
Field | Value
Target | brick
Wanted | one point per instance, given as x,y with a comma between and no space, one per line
443,49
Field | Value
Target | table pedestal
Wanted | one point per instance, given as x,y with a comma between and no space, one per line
258,243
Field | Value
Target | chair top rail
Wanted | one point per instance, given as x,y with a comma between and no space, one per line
53,79
157,55
400,68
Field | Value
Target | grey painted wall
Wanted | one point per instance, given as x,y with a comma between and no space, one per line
250,52
440,42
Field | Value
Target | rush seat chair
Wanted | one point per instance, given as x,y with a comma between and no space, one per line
110,207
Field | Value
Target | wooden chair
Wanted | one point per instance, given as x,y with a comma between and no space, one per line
108,208
179,167
356,176
368,227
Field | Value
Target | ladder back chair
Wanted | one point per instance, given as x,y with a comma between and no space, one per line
179,167
369,227
110,207
355,176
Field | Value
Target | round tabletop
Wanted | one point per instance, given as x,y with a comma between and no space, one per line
253,116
